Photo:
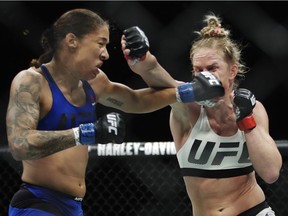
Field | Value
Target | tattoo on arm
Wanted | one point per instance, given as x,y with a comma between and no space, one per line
52,142
23,117
114,101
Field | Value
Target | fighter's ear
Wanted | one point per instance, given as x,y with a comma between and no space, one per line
71,40
233,71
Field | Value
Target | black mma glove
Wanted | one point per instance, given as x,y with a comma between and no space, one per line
109,128
137,42
205,87
244,101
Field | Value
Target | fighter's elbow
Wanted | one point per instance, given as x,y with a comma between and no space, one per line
16,152
271,177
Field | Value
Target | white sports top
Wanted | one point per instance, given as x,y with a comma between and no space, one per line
206,154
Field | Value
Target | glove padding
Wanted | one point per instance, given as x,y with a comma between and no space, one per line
109,128
205,86
137,42
244,101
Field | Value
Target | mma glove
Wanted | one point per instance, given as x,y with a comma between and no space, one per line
137,42
109,128
244,101
203,89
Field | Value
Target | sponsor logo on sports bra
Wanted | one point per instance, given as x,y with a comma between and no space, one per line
216,154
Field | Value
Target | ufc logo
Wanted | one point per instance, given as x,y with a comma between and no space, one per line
253,100
212,79
113,123
217,155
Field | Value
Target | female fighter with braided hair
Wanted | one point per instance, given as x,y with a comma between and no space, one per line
221,139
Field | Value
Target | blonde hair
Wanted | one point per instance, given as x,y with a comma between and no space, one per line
213,35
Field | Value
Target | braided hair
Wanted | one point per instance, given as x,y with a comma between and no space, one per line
213,35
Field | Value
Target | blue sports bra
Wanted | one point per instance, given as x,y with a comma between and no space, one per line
64,115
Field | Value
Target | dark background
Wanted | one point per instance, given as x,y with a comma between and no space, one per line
261,26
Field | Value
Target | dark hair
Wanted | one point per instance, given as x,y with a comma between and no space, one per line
77,21
214,35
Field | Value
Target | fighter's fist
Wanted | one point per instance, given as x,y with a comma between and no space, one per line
109,128
137,42
244,101
205,86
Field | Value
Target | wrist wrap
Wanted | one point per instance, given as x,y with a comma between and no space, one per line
185,93
135,60
87,134
246,124
76,135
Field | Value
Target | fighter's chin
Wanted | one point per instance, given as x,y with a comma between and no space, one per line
94,74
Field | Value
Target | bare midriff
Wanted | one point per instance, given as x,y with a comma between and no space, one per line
64,171
223,197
